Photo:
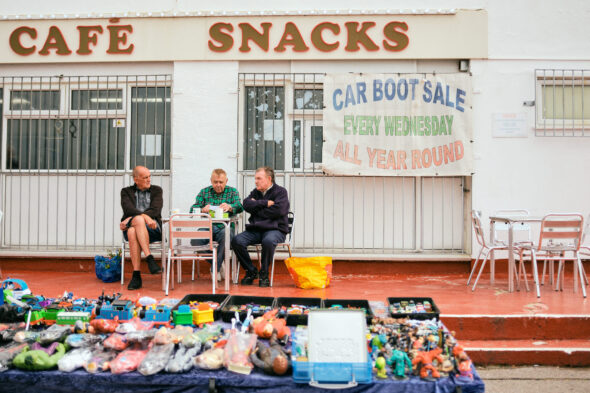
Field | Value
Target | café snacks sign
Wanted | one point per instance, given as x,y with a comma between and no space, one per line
398,124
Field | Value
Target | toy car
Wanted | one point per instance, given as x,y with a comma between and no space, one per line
19,287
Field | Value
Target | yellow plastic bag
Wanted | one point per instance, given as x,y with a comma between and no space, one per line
312,272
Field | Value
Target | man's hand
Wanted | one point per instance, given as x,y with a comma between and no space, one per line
225,207
270,203
150,222
205,209
123,224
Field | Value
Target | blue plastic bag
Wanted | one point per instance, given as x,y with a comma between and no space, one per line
108,269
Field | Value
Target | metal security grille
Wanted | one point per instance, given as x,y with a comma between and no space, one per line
280,125
69,144
562,101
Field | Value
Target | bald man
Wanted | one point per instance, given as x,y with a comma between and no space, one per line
142,221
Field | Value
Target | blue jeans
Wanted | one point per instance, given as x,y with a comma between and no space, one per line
269,241
219,237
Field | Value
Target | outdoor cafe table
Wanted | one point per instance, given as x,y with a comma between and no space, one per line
510,221
227,224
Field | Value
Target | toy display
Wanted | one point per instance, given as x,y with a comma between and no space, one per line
105,325
156,359
129,359
237,352
266,324
272,359
122,335
74,359
38,359
116,341
8,352
100,360
211,359
182,360
83,340
425,361
401,363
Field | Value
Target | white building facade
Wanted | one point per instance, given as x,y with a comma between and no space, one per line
184,88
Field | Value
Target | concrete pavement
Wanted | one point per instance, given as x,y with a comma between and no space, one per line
509,379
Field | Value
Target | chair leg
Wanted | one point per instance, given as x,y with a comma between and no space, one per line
483,264
473,269
523,270
193,275
214,269
582,274
234,268
122,263
272,270
179,270
492,266
167,272
535,272
560,271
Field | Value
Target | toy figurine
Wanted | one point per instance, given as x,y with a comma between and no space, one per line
264,325
380,365
465,373
38,360
272,359
105,325
425,359
398,361
211,359
100,360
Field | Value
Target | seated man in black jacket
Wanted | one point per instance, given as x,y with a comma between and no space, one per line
142,221
268,205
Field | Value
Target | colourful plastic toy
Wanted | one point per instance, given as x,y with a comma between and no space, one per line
183,316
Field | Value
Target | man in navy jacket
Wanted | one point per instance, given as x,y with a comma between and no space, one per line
268,205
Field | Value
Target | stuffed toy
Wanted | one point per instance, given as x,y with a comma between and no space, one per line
266,324
39,359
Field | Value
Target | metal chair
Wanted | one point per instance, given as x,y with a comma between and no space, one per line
287,244
560,234
523,228
182,228
488,248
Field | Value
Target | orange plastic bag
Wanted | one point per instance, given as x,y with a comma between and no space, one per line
312,272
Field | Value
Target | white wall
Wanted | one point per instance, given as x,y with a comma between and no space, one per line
204,122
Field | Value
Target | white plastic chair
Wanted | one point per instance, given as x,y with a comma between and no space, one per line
287,244
560,235
182,228
488,248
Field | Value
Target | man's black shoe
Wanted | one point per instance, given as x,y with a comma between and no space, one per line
264,282
153,265
135,282
249,278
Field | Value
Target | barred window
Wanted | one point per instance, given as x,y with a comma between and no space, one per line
562,102
264,127
97,99
45,144
150,127
34,100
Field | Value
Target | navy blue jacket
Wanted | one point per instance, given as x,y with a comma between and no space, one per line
264,218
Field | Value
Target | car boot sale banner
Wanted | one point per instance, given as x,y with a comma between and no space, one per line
397,124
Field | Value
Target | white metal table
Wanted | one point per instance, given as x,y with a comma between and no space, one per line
509,221
227,224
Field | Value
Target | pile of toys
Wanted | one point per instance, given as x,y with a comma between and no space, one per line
150,336
410,307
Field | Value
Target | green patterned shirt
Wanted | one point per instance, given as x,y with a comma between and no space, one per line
208,196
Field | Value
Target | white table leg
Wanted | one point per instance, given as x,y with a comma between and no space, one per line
510,258
226,255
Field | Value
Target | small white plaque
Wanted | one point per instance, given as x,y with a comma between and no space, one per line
509,125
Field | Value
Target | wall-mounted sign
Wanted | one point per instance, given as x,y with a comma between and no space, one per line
397,125
462,35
